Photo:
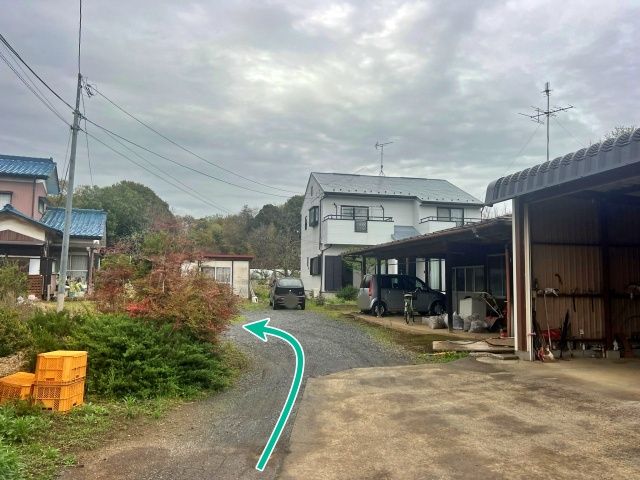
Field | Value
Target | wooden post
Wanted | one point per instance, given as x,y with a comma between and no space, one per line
606,272
508,309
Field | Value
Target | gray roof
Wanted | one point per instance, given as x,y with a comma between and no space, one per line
602,157
401,232
424,189
31,167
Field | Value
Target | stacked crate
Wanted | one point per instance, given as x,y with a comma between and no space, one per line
59,380
16,387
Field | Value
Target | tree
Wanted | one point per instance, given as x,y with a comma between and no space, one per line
132,208
617,131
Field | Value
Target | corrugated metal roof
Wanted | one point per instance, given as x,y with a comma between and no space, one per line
598,158
425,189
401,232
31,167
84,223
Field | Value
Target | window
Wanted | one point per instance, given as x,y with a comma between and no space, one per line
360,226
411,283
315,266
78,267
311,191
305,223
469,279
451,215
314,216
290,283
5,198
223,275
42,205
435,274
349,211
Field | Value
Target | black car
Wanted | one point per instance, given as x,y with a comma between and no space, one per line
287,292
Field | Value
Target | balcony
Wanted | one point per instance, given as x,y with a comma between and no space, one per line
347,230
435,224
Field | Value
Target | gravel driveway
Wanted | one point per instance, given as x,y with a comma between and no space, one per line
222,437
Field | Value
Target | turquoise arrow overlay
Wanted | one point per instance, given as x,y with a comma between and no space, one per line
261,329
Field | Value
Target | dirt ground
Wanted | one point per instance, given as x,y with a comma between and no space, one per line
470,419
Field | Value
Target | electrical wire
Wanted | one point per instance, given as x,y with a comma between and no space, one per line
563,127
17,55
42,99
173,142
181,164
79,37
84,111
200,197
522,149
151,172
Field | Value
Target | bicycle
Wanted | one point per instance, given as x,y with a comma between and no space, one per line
409,311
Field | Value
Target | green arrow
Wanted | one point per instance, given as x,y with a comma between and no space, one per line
261,329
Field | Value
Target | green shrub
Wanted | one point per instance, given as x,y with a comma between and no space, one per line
49,332
132,357
348,293
10,466
14,331
13,282
15,429
319,300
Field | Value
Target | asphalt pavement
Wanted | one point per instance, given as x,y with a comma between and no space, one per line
222,437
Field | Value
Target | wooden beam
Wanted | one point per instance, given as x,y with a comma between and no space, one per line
606,271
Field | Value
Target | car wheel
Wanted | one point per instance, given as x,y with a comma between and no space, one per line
437,308
379,309
302,306
275,307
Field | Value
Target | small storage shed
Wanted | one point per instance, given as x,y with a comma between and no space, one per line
225,268
576,246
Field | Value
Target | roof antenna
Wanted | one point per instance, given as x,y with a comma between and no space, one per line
380,146
546,113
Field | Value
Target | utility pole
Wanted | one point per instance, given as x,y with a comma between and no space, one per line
381,147
546,113
64,256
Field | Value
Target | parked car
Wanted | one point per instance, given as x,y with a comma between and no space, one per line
382,294
287,292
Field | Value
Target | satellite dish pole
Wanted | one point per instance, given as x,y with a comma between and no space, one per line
380,146
546,113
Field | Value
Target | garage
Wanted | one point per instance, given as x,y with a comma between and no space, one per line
576,251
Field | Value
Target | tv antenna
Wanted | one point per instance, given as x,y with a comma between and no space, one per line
546,113
380,146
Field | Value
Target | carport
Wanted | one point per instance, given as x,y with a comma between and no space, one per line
576,243
459,261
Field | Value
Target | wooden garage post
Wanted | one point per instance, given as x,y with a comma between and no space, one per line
606,273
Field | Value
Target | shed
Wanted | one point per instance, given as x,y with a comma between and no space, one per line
576,242
230,269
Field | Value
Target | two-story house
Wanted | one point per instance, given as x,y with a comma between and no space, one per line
341,212
31,231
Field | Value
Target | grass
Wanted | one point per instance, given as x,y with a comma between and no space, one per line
75,307
36,444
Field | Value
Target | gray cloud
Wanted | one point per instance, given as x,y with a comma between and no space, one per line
274,90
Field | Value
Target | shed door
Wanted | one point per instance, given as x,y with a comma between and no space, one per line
332,273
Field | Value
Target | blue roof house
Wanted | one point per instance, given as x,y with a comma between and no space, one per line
31,230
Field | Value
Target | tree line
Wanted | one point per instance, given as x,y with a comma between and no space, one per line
139,218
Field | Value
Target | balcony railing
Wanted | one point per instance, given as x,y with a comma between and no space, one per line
458,221
351,217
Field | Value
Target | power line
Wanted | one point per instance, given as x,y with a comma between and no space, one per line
173,142
42,99
86,137
200,197
522,149
154,174
181,164
17,55
569,132
79,37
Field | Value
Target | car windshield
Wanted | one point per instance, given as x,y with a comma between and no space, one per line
290,283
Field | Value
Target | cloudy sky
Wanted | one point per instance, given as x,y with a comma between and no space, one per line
273,90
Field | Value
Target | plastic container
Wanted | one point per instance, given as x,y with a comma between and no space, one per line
16,387
59,397
61,366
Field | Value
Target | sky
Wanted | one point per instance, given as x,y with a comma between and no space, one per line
273,90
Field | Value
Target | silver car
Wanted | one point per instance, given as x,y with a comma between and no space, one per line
380,294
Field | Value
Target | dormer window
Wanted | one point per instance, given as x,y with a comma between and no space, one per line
5,198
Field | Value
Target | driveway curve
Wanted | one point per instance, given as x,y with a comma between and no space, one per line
221,437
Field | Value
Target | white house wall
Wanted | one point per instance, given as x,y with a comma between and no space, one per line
22,227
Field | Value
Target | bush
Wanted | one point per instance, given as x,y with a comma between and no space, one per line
13,282
348,293
49,331
14,332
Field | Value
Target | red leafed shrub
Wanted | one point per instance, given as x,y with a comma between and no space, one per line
112,283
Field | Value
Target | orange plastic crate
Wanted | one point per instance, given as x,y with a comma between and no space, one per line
61,366
16,386
59,397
